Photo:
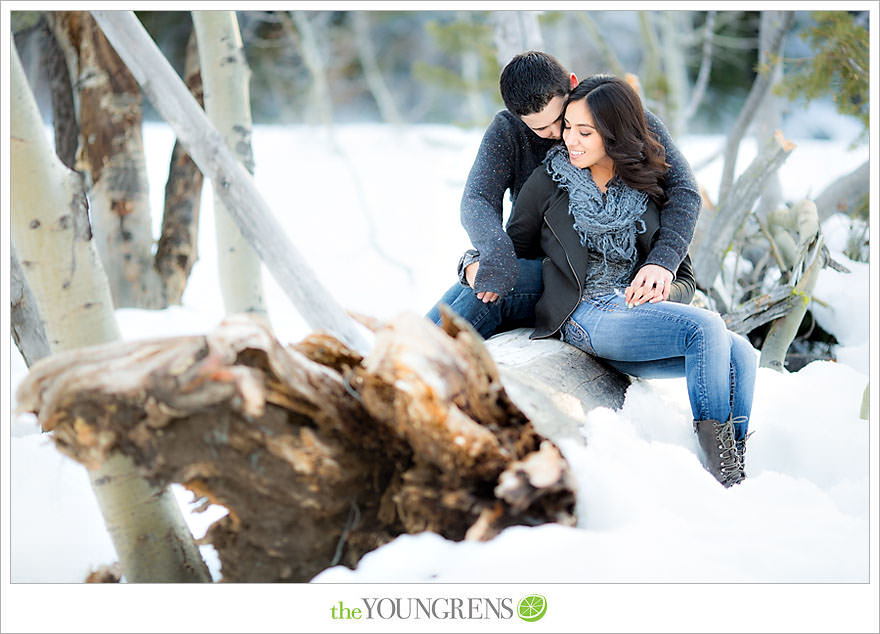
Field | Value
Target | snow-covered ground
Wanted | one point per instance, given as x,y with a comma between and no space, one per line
374,210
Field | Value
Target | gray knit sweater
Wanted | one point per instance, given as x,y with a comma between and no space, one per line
508,154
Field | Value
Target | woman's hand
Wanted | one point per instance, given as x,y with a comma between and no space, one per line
651,284
470,274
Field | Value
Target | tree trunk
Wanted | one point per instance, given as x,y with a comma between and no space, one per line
673,49
372,73
177,249
225,77
769,115
26,325
809,260
64,119
760,88
714,235
254,218
319,91
50,230
846,194
516,32
111,156
320,455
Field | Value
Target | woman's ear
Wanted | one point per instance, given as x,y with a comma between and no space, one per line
573,81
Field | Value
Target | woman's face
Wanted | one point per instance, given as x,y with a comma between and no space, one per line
585,146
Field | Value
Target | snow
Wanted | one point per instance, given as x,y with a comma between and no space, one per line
374,210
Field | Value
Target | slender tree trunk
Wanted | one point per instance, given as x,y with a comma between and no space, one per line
759,90
177,249
372,73
319,92
112,159
846,193
703,74
597,39
806,269
715,234
225,77
672,24
51,232
24,318
254,217
653,79
64,119
769,115
516,32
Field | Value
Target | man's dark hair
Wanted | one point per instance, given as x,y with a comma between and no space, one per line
530,80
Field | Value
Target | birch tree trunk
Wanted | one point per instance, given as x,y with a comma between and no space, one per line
516,32
714,235
370,65
51,232
225,77
769,115
757,93
111,156
24,318
254,217
177,249
672,24
319,92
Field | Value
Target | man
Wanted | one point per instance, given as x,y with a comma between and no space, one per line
497,291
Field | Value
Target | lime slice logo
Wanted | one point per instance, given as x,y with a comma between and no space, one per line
532,608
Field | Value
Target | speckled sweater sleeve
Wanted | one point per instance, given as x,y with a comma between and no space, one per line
482,209
678,217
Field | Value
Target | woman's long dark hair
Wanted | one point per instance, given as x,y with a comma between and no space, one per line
619,117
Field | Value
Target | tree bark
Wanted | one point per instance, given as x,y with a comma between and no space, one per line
26,325
177,249
810,261
372,73
51,233
714,234
769,115
64,119
759,90
254,218
319,91
845,194
225,77
111,157
319,454
516,32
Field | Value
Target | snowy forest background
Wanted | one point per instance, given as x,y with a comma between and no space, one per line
376,116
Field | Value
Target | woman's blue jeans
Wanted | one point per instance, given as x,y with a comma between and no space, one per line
514,310
666,340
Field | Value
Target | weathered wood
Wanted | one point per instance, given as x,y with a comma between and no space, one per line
715,232
249,209
760,88
177,248
24,317
319,454
111,157
553,383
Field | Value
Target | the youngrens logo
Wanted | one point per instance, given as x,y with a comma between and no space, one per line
529,608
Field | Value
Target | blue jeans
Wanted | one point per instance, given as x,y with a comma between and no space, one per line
666,340
514,310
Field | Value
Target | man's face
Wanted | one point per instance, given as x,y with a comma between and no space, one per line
547,123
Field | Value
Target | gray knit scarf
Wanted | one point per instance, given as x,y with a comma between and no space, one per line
606,226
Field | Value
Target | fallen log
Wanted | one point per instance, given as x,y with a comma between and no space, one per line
319,454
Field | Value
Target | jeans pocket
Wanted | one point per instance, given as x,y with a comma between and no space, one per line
574,334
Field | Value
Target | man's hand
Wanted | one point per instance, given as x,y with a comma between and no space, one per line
651,284
470,274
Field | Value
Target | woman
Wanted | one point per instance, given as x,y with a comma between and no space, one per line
591,212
